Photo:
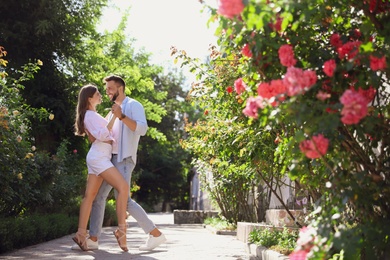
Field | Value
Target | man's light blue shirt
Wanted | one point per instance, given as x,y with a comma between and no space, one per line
128,139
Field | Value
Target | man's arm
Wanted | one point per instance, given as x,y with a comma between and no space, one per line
130,123
137,122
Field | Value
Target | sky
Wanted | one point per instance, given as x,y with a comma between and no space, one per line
156,25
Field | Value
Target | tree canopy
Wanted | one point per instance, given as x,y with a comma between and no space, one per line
61,37
51,31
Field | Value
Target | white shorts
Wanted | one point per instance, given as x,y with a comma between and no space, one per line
99,157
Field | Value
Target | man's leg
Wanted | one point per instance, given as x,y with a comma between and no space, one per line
97,212
156,238
126,168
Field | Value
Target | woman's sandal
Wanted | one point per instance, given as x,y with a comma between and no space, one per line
121,238
82,243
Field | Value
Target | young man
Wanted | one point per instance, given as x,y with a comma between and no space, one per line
127,129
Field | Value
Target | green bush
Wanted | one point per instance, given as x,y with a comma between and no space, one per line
287,242
282,241
29,230
219,223
33,181
110,218
42,183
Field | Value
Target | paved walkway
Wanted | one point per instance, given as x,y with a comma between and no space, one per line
184,242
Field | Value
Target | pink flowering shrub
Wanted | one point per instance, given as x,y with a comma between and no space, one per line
239,86
297,81
349,50
275,89
335,40
314,107
377,63
355,107
286,55
329,67
315,148
246,51
276,25
230,8
305,243
253,104
322,95
379,6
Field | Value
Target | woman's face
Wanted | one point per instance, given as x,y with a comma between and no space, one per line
96,99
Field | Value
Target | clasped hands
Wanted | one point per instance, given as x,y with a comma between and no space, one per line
116,110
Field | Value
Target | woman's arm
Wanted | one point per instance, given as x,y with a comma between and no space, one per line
98,126
111,123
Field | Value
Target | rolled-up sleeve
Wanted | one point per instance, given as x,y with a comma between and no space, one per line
137,112
97,126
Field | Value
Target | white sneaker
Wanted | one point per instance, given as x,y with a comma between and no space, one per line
92,245
153,242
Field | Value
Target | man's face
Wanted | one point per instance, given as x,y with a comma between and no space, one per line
112,90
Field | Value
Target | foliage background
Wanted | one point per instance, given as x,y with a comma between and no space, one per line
49,49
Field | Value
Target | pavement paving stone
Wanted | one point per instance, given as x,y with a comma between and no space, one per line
184,242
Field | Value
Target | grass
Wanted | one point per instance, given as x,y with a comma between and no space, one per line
220,224
283,241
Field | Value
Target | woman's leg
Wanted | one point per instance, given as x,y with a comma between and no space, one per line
93,184
113,177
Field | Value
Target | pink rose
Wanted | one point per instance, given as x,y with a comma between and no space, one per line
368,94
264,90
239,86
298,81
377,6
355,107
335,40
355,34
314,148
321,95
310,78
349,50
252,106
329,67
278,88
286,55
230,8
304,243
293,81
306,235
277,25
275,88
246,51
377,63
298,255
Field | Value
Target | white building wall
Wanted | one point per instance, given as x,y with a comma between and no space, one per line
284,192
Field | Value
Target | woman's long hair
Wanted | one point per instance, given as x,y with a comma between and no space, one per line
82,105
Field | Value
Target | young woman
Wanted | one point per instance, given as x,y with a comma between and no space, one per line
100,168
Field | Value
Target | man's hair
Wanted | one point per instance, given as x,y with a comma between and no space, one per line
116,79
